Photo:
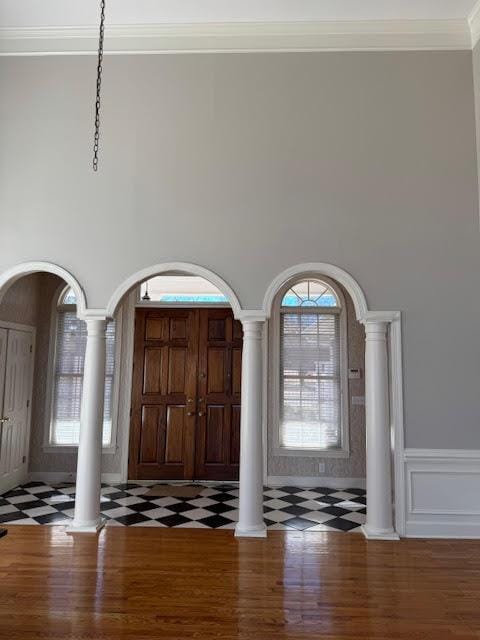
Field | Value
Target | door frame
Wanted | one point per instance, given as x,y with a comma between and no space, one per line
30,329
129,307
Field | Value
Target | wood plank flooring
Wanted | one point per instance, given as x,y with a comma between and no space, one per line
182,584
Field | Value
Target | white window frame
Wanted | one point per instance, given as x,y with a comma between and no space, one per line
344,450
48,445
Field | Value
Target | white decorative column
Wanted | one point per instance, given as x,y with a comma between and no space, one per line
87,493
379,524
250,521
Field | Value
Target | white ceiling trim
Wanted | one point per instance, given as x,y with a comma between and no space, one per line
390,35
474,23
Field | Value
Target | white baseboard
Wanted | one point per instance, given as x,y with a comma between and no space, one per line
57,477
442,493
315,481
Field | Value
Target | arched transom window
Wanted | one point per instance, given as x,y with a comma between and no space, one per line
180,289
310,293
70,339
312,362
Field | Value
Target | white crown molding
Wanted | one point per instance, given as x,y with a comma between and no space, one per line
377,35
474,23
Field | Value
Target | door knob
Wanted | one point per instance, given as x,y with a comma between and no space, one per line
201,413
5,419
191,413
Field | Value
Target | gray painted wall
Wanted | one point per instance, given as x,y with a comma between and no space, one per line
476,84
250,163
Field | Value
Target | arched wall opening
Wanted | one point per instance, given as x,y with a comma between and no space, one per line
173,267
316,391
201,314
383,396
28,301
10,276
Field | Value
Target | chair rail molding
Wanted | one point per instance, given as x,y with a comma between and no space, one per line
442,497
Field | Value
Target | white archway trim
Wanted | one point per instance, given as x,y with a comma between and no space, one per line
393,320
318,268
164,267
8,277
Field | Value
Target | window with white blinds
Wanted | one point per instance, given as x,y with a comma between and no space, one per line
310,368
71,339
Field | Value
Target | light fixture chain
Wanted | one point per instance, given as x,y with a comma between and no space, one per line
99,85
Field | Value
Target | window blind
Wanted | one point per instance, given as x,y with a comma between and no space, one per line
71,340
310,402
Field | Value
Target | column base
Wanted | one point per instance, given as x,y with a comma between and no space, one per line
259,531
86,527
378,534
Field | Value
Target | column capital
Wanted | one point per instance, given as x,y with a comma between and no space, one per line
376,328
251,316
96,326
93,314
378,317
252,322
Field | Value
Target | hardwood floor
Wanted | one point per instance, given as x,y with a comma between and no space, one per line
181,584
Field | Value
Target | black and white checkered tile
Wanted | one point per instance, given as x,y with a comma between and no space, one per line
316,509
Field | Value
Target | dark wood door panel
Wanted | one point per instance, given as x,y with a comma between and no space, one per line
214,434
236,371
152,370
186,395
149,427
162,439
235,435
216,370
220,346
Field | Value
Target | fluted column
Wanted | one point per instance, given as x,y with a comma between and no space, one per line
379,524
250,521
87,494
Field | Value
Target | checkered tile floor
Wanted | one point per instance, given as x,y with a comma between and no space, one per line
216,507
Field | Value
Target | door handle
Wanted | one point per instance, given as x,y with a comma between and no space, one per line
5,419
191,413
201,413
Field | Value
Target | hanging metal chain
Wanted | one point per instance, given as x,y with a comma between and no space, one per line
96,136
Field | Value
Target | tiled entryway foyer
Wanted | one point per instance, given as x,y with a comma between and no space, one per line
216,507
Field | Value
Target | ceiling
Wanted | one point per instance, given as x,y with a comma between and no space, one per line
42,13
34,27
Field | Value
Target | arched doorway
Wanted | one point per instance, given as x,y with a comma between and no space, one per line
383,397
190,432
31,431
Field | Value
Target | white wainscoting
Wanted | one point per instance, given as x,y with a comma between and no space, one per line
442,493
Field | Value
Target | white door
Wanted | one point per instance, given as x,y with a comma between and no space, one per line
14,416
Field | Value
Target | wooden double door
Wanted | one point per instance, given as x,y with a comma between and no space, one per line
185,419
